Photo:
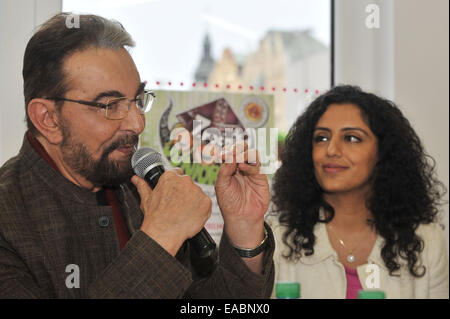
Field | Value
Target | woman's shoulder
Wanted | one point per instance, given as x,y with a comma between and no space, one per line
272,219
434,243
278,228
430,232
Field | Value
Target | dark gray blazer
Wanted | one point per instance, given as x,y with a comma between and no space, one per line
48,223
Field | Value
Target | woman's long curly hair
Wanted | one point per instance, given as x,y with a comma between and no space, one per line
405,191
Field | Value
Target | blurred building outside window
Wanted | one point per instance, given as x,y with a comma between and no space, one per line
265,46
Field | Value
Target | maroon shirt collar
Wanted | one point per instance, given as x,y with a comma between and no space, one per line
41,150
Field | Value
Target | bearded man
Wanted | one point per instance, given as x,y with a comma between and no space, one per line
76,223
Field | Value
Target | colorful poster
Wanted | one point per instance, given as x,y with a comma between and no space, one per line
207,118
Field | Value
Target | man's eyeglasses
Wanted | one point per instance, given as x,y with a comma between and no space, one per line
117,108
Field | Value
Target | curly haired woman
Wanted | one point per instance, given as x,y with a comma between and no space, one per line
356,188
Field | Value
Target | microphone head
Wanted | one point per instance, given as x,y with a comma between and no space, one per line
144,159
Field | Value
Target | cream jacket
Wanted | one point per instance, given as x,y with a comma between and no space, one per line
322,276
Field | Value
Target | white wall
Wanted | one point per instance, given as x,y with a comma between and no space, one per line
421,70
406,60
364,56
18,20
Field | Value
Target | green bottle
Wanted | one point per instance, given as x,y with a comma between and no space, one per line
287,290
371,294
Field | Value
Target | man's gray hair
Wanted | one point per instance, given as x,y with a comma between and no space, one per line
54,41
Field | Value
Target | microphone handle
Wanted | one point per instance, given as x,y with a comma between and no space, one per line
203,243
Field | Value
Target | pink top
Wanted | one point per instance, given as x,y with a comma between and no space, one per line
353,283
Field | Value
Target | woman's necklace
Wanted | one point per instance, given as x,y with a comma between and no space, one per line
350,256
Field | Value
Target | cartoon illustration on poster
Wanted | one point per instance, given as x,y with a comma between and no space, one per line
206,119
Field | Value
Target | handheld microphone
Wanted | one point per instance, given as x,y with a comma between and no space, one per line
148,164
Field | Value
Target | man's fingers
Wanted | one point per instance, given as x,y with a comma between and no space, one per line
251,157
251,165
177,170
249,169
142,186
240,153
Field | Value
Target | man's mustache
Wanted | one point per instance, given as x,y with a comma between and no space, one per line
122,141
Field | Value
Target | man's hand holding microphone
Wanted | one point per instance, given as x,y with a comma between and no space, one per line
176,209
